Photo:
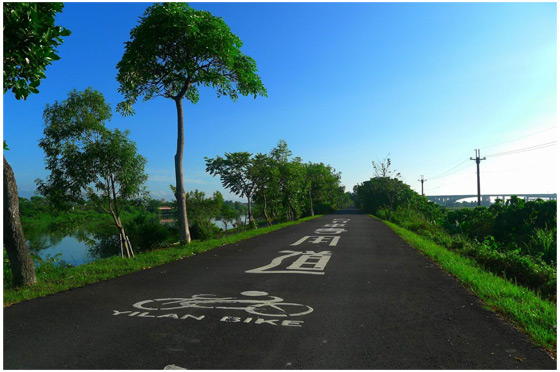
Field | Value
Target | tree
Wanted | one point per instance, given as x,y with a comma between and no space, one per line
203,210
30,41
389,180
88,160
174,50
235,171
21,263
290,179
263,172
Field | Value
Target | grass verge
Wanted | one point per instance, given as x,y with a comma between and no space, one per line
53,278
521,306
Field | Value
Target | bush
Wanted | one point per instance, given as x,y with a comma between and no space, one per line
512,264
543,245
146,232
202,233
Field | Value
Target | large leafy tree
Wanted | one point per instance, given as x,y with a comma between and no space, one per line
323,185
89,161
290,179
385,190
172,52
30,42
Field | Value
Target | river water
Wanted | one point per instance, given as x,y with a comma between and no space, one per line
71,250
76,245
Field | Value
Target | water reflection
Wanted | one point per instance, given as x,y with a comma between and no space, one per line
79,242
74,242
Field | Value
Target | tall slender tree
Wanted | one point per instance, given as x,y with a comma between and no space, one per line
174,50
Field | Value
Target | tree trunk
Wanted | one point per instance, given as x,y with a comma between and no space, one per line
268,222
250,214
126,247
125,242
23,270
184,232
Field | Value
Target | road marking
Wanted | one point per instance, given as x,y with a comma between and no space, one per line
309,262
173,366
330,230
319,239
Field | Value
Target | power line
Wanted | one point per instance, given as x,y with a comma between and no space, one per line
450,171
450,183
454,169
517,139
525,149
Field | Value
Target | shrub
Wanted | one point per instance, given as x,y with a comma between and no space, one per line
146,232
512,264
543,244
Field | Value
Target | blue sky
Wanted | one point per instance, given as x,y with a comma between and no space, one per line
348,83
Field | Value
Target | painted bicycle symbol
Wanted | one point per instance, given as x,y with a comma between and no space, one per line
273,306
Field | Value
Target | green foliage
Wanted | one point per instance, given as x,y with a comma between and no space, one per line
86,159
175,49
228,215
144,231
147,233
515,225
323,184
514,265
30,42
543,245
234,171
237,174
202,211
386,195
285,189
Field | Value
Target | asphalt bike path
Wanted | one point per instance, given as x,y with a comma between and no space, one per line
339,292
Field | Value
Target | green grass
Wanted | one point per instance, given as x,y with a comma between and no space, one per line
52,278
521,306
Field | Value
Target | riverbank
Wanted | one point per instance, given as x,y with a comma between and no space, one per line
53,278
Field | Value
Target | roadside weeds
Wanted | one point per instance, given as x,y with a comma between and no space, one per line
525,309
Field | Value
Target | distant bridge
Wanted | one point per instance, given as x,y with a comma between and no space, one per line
487,199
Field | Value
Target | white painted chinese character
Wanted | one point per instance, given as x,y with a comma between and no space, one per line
319,239
309,262
330,230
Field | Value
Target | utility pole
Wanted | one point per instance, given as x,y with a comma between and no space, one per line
478,159
422,180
